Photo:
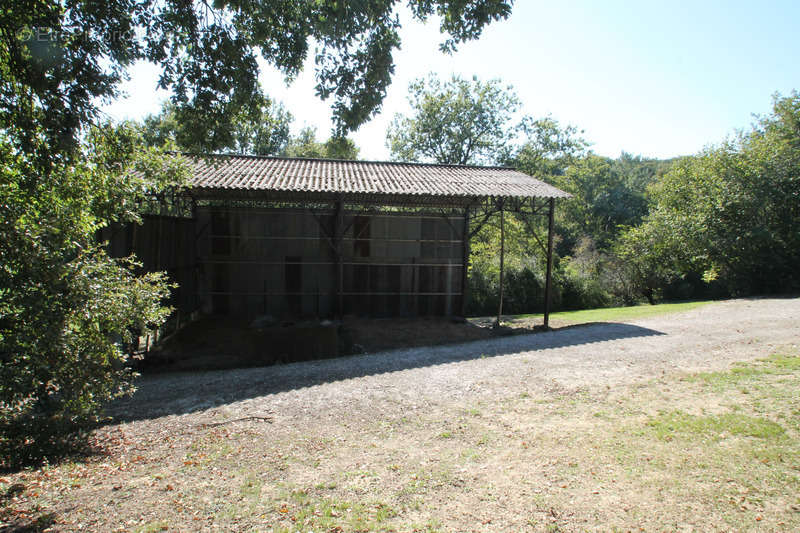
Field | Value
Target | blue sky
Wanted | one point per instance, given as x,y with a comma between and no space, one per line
657,79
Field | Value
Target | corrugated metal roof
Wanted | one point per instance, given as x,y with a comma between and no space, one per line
255,173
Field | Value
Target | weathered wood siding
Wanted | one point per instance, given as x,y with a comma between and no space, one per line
161,243
282,262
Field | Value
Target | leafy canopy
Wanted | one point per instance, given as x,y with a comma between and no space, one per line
603,199
463,122
547,147
731,212
454,122
68,312
75,53
267,134
305,144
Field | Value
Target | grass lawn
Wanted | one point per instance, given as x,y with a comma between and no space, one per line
610,314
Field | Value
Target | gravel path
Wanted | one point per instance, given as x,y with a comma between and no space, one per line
709,337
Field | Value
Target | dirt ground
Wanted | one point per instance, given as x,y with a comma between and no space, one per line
217,342
526,432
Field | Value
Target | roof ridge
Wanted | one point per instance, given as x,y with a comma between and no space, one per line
356,161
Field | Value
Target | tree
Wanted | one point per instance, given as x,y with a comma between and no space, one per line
639,173
305,144
644,262
473,122
454,122
601,202
74,56
266,134
547,148
731,213
64,305
67,310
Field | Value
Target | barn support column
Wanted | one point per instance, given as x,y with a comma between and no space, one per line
195,297
338,234
502,259
465,238
548,286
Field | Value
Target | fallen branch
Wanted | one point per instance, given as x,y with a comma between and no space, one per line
217,424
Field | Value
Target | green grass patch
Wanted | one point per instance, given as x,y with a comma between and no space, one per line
673,423
747,373
251,488
610,314
738,375
765,383
309,513
153,527
784,363
207,450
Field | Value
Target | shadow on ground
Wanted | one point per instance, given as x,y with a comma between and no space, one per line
216,342
187,392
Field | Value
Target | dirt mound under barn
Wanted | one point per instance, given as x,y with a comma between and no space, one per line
215,342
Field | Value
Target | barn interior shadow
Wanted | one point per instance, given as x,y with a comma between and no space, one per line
186,392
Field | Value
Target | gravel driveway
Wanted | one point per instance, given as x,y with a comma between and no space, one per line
603,354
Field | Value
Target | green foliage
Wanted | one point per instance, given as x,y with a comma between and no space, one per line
521,248
581,281
524,262
76,55
644,254
639,172
266,133
524,292
340,148
547,148
730,213
608,195
575,280
306,145
601,201
589,271
457,122
68,312
464,122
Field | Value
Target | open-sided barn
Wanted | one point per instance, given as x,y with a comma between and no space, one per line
290,237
